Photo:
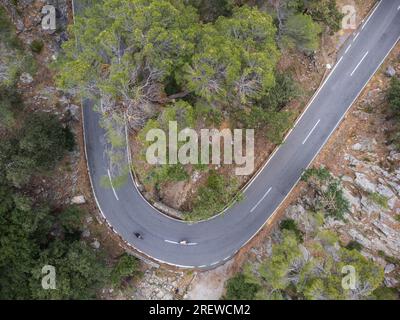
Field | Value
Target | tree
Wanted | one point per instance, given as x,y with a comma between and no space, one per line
80,273
127,50
126,267
275,270
210,10
302,32
230,61
328,190
238,288
393,96
324,11
291,225
42,136
10,102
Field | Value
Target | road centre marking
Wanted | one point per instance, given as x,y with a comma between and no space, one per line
359,64
258,203
312,130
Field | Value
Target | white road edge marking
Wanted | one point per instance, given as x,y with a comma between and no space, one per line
258,203
348,48
369,17
355,38
359,64
312,130
109,176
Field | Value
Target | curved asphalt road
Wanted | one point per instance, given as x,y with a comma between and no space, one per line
217,240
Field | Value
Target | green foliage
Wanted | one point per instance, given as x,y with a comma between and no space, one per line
213,196
167,173
10,103
29,151
354,245
71,219
330,193
126,267
380,200
80,271
7,31
291,225
230,64
13,59
324,11
284,91
210,10
158,37
302,32
275,270
37,46
27,243
41,136
314,271
393,96
321,174
237,288
385,293
211,115
388,258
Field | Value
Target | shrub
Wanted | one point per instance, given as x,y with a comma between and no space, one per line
379,200
127,266
354,245
239,289
291,225
37,46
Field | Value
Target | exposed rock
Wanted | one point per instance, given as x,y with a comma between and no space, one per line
86,233
369,207
355,203
78,200
389,268
390,72
73,110
391,282
96,244
385,191
353,161
168,210
364,183
89,219
26,78
394,156
347,179
365,145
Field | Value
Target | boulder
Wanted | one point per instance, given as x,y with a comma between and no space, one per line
96,244
390,72
78,200
389,268
26,78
